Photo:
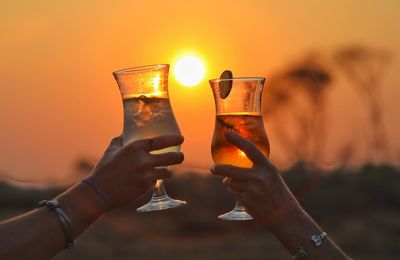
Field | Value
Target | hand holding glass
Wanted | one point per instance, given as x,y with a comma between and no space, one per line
147,114
238,109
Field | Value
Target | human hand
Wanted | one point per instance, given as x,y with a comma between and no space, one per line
126,172
267,198
260,189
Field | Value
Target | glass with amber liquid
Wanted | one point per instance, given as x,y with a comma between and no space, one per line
238,109
147,114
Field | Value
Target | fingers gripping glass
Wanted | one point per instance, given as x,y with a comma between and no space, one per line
238,109
150,143
147,114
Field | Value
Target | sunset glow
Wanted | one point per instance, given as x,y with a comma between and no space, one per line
156,84
66,99
189,71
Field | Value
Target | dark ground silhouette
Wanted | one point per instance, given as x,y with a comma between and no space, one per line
360,209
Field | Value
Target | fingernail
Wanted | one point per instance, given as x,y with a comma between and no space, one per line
228,132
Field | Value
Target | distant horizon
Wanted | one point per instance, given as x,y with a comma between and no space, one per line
179,172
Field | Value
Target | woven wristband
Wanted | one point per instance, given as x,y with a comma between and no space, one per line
102,194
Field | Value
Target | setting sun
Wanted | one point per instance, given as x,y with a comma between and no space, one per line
189,71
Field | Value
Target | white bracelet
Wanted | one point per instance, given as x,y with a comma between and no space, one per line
318,239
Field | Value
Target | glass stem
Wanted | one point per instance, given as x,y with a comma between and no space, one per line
239,206
159,191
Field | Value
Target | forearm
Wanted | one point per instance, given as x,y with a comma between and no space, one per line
295,230
39,234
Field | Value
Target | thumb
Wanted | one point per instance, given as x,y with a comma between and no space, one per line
116,144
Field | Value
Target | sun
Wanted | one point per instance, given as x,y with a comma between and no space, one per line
189,71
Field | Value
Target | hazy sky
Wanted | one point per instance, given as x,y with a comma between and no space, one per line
59,101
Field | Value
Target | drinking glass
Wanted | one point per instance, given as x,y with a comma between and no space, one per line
147,114
238,108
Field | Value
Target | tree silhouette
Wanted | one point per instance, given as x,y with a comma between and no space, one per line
364,68
83,166
296,100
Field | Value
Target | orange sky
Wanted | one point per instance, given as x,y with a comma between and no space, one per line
59,101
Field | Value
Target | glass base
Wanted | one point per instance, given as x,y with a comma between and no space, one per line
161,203
238,214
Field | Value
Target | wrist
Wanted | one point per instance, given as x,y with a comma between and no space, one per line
99,191
295,230
298,232
287,220
275,216
82,205
97,204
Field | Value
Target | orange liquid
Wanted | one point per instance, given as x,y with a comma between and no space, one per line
249,126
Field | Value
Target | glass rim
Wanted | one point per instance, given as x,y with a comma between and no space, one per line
238,79
140,68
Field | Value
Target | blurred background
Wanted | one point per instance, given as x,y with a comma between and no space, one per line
330,108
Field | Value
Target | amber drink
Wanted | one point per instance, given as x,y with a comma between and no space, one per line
238,109
250,126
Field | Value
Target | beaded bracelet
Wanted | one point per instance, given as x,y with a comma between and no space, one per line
64,219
